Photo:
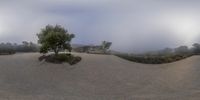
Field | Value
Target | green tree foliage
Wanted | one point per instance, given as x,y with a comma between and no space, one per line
54,38
106,45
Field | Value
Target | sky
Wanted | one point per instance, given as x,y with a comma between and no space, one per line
131,25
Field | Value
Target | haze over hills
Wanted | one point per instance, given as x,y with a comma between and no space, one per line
132,25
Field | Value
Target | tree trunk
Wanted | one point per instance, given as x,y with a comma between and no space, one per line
56,52
69,49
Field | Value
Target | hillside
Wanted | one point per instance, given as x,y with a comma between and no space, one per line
97,77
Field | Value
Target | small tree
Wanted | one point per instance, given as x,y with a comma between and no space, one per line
106,45
54,38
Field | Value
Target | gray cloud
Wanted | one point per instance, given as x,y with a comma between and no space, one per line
132,25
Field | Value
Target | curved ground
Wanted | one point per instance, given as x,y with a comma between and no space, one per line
97,77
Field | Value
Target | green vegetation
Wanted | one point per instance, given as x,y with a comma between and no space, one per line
56,39
9,48
166,55
60,58
153,59
106,45
196,49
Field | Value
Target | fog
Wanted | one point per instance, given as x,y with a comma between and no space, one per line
131,25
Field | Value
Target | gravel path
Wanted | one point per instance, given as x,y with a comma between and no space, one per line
97,77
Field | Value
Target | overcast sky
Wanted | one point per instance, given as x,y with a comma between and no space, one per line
132,25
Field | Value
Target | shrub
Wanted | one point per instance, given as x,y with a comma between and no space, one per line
60,58
154,59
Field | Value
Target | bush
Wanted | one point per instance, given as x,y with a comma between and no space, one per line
60,58
154,59
6,51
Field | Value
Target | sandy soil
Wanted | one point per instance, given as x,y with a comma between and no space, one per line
97,77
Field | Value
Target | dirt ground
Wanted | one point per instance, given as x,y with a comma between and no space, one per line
97,77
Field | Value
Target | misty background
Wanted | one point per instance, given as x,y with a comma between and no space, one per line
131,25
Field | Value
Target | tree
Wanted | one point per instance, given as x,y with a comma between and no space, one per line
106,45
54,38
182,50
196,48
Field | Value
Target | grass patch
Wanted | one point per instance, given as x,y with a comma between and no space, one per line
60,58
